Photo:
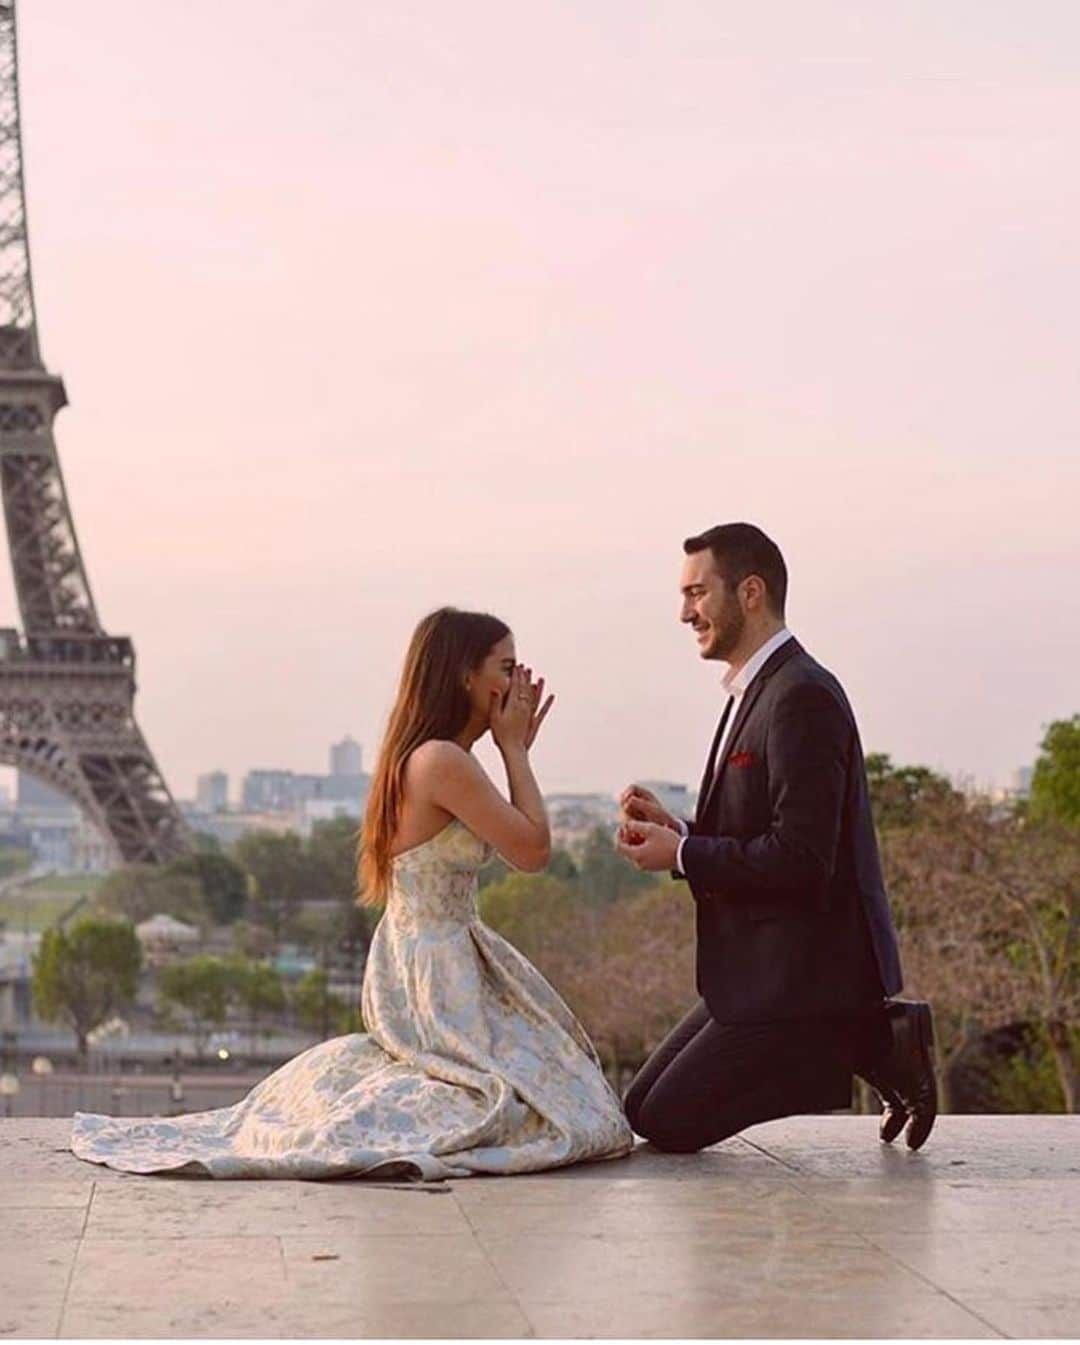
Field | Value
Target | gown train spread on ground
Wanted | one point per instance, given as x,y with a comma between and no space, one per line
471,1063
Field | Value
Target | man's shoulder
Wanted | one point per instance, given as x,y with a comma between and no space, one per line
802,676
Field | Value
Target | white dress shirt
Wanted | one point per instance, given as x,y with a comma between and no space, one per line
736,684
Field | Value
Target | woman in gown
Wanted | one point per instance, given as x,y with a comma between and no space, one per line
471,1062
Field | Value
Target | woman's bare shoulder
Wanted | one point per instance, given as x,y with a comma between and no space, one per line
438,757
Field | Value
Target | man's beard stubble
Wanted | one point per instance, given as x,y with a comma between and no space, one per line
727,632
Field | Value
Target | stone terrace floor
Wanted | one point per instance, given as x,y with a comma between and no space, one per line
805,1227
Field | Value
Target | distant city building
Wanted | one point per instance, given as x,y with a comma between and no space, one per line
347,784
290,791
58,835
17,949
31,793
582,809
346,757
1022,781
280,791
315,811
212,792
91,850
349,789
574,817
228,827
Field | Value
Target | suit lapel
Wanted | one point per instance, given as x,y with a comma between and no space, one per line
753,691
745,706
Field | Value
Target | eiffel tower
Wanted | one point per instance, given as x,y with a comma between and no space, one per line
66,687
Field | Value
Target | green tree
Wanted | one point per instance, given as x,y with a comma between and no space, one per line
898,794
626,968
1055,781
138,891
332,854
1012,1071
201,987
258,989
86,973
603,875
281,877
315,1006
251,940
14,860
635,980
530,910
223,883
494,871
561,864
987,907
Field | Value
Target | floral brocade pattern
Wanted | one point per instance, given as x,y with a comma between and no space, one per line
471,1063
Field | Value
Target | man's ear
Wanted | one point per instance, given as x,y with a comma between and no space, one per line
754,591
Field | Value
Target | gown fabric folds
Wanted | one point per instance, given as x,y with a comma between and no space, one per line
471,1063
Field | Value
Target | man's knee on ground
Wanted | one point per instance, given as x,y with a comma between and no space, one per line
663,1129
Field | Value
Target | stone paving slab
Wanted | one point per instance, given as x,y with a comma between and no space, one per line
802,1227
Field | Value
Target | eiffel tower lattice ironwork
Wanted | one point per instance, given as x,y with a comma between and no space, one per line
66,687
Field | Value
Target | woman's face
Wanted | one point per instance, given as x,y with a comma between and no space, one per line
492,675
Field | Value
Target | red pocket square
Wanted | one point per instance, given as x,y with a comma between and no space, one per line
743,759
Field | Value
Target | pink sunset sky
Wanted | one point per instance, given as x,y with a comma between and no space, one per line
365,308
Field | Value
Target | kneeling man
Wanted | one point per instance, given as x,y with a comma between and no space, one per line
796,951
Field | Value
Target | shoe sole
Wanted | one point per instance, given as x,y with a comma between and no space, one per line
886,1134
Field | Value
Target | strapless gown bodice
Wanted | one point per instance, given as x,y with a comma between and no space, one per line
470,1062
434,885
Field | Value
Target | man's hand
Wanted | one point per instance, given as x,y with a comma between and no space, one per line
648,845
641,805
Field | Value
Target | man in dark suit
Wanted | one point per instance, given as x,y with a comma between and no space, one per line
796,952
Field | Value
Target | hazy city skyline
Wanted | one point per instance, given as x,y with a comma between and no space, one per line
365,310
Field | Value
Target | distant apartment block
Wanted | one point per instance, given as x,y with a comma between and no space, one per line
280,791
345,787
346,757
228,827
31,793
54,830
574,817
315,811
212,792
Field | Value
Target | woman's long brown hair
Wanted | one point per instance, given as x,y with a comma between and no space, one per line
431,703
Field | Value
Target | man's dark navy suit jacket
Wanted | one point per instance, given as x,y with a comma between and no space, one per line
792,917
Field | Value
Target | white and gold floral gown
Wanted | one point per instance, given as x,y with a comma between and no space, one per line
471,1063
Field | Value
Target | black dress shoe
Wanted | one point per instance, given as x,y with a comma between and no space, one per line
909,1070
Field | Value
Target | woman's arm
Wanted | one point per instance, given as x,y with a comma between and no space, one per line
445,774
451,778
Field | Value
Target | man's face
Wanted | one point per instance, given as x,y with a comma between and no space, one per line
710,607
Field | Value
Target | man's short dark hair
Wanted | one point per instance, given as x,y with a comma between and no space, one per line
741,549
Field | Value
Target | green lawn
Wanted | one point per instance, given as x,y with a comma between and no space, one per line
34,906
69,885
32,913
